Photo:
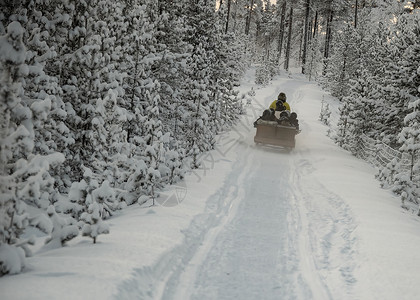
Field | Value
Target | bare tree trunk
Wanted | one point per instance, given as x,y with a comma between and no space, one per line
227,17
328,34
315,24
289,38
267,47
281,33
248,18
305,35
355,14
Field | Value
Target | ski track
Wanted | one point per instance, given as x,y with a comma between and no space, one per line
288,238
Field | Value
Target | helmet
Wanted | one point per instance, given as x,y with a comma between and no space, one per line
282,97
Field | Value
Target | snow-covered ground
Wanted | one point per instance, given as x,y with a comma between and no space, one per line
254,223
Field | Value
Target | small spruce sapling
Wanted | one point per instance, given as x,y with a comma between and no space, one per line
325,113
94,225
63,229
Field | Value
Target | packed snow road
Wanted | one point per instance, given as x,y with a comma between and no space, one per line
311,223
268,242
282,236
271,231
243,257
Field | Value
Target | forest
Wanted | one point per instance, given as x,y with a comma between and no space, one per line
103,103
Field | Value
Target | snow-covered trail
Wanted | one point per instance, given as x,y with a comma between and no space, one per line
242,256
271,230
287,236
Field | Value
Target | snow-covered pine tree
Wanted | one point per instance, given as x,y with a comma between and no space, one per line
199,137
93,224
155,149
168,71
68,39
359,115
134,36
389,109
88,73
111,162
224,58
92,192
24,176
314,55
226,106
325,113
341,137
262,74
407,36
201,63
386,175
342,61
63,229
404,187
42,88
76,200
410,140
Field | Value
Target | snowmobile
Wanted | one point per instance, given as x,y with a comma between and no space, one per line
277,129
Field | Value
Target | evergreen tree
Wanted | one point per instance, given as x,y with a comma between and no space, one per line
340,66
93,226
24,176
63,229
410,140
387,174
199,138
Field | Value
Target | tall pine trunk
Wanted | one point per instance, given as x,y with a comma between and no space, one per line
327,39
355,14
227,16
248,18
289,38
305,36
281,32
315,25
328,35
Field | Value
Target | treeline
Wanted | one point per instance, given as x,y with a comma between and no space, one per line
374,71
103,103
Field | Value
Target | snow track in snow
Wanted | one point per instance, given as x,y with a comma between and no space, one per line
240,264
270,231
225,203
321,229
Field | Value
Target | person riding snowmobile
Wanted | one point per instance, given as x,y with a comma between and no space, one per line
279,111
280,104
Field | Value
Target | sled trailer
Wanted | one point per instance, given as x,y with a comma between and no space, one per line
272,133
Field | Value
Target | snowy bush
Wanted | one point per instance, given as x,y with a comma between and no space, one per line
63,229
105,197
12,259
93,225
325,114
386,175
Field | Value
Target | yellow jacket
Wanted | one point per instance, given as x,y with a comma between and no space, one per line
273,105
